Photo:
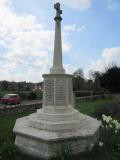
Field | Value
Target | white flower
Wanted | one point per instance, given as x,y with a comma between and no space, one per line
114,121
92,145
116,131
106,118
100,144
110,126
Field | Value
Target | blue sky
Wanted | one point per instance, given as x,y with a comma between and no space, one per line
90,36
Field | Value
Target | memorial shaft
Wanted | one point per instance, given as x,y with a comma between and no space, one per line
57,45
57,59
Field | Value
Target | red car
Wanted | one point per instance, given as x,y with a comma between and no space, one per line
11,99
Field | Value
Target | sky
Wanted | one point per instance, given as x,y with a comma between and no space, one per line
90,37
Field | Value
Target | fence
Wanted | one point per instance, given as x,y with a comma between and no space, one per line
9,110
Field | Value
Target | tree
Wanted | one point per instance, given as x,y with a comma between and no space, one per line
5,85
89,84
78,73
96,78
78,80
110,79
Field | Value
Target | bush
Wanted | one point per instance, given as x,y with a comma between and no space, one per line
108,146
1,95
8,151
31,95
81,94
110,136
63,153
110,80
86,93
23,95
39,94
110,109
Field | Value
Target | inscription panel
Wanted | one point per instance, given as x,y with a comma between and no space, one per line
60,92
49,92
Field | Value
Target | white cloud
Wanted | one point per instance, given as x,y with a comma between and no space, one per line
66,46
4,2
108,56
111,54
78,4
69,68
66,32
97,65
70,28
26,44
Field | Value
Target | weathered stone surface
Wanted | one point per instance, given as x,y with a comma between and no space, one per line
44,143
57,59
49,92
41,134
56,121
58,92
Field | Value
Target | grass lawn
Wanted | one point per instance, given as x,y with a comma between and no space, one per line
7,137
7,123
88,107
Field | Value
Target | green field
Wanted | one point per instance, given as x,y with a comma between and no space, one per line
7,123
88,107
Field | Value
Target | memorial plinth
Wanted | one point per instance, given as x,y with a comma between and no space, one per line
43,133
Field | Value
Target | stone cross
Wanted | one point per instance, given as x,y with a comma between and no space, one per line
58,11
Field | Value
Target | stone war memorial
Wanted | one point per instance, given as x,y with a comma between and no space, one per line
57,124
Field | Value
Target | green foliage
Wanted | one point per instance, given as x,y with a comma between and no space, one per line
110,136
111,109
78,83
8,151
2,93
108,146
27,95
87,93
82,93
97,153
89,107
63,153
106,149
32,96
78,80
110,80
39,94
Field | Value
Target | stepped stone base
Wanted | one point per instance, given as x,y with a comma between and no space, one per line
42,138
